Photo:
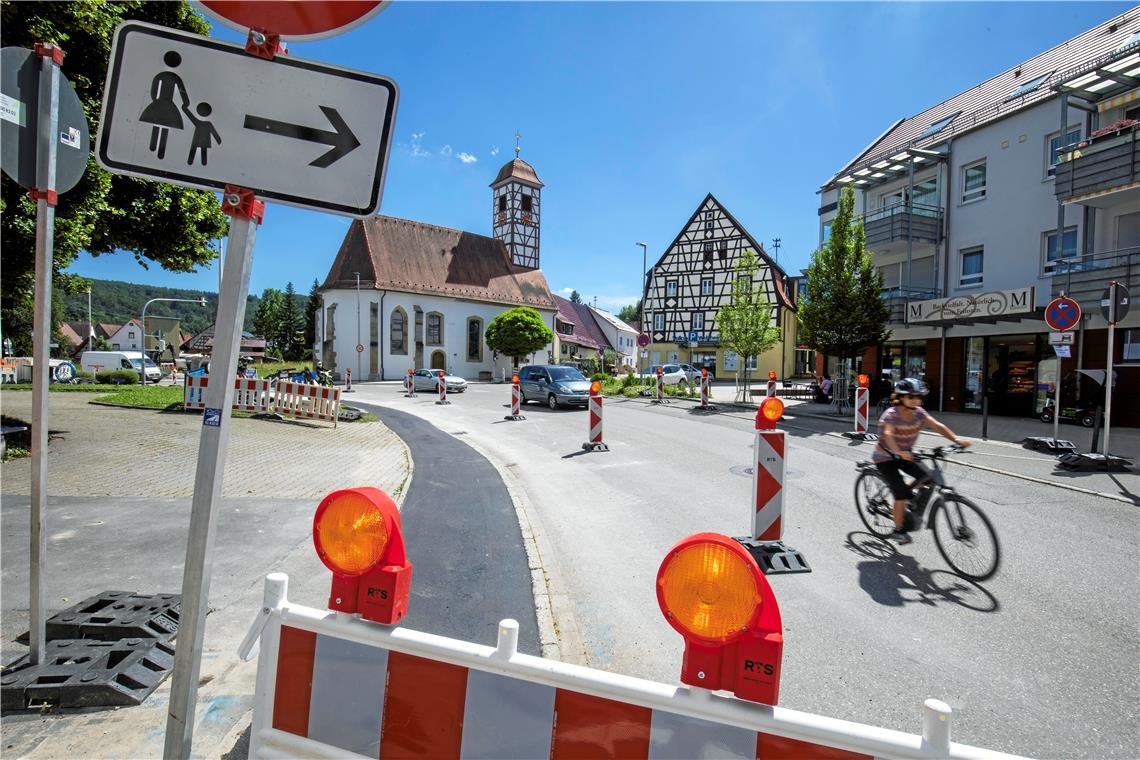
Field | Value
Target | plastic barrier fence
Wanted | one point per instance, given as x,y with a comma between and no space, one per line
249,395
310,402
331,685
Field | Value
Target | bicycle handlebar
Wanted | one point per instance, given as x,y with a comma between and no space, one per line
939,452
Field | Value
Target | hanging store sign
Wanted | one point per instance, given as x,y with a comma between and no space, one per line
997,303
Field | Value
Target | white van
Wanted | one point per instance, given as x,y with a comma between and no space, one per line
105,361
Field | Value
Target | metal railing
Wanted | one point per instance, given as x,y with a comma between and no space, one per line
916,209
1127,258
898,297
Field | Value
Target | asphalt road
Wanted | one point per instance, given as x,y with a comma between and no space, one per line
1040,660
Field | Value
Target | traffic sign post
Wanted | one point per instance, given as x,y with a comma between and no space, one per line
39,112
1061,314
190,110
1114,305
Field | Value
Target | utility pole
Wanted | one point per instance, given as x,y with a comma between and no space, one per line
776,249
358,353
90,327
644,298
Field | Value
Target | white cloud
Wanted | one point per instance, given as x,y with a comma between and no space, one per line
417,145
495,150
466,158
567,291
615,303
445,150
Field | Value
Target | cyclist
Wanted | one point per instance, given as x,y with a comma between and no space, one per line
898,431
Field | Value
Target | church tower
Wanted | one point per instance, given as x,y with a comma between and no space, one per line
516,211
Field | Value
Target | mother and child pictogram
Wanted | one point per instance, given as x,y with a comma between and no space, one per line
164,114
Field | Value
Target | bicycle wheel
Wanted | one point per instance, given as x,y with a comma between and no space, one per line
965,538
875,503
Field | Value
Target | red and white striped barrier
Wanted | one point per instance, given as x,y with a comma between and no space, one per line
348,381
194,392
252,395
769,468
516,401
706,389
409,385
862,411
309,402
595,442
771,385
331,685
660,398
442,385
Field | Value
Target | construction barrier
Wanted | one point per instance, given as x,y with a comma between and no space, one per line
706,387
409,385
516,401
771,384
594,441
769,468
310,402
442,388
862,402
251,395
332,685
348,381
193,392
660,387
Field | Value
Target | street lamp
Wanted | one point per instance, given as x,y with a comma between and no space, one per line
644,294
358,375
142,324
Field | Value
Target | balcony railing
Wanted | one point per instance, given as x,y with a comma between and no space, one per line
1086,277
1100,163
898,297
923,223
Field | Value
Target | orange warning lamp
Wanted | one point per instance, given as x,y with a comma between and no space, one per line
712,592
704,371
357,534
514,379
595,388
659,371
771,374
864,381
770,411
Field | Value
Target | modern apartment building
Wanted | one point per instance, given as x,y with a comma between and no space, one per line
983,208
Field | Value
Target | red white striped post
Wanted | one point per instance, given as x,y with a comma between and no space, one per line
348,381
442,388
769,468
660,398
706,386
771,384
862,410
409,385
595,443
516,400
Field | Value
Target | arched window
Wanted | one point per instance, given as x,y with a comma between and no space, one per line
434,335
399,331
474,339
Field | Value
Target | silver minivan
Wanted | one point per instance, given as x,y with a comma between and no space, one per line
554,384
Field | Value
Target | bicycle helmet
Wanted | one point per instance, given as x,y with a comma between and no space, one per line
911,386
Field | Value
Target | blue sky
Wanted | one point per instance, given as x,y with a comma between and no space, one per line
632,112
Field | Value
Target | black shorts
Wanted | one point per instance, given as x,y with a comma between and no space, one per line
891,471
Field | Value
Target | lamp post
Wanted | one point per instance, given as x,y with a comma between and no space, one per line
90,326
142,325
644,294
358,353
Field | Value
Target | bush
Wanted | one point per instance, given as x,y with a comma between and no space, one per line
82,374
633,391
118,377
628,380
600,377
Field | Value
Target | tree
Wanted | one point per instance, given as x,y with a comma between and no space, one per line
746,323
103,213
575,297
631,313
267,318
843,311
289,324
312,315
517,333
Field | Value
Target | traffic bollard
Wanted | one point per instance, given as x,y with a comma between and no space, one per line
595,440
348,381
771,392
409,385
660,397
706,384
862,411
516,400
442,388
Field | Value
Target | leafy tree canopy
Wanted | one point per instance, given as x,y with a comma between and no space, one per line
843,310
517,333
103,213
575,297
630,313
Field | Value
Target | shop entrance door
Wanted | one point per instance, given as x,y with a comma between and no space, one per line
1011,374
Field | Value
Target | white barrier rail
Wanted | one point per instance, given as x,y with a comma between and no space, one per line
306,702
310,402
250,395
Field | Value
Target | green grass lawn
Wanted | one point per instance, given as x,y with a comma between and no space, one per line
167,397
66,387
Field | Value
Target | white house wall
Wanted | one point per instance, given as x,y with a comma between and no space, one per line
395,366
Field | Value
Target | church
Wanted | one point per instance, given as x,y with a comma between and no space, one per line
403,295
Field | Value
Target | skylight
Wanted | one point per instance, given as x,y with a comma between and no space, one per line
1028,87
939,125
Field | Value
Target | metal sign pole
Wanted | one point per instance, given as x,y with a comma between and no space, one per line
208,484
45,243
1057,400
1108,374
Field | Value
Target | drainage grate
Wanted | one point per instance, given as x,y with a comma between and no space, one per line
83,673
114,615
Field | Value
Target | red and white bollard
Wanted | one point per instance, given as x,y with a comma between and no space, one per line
409,385
595,442
769,468
660,397
862,411
442,388
516,400
348,381
771,384
706,383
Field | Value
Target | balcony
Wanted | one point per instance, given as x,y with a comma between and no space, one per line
1099,168
1084,278
897,299
887,229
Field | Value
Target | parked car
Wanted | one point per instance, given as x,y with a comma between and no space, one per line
554,384
104,361
692,373
672,374
1084,415
426,380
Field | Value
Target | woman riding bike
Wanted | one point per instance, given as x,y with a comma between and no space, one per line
898,431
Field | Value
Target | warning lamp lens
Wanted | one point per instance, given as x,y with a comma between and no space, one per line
771,374
595,387
515,379
864,381
709,591
350,534
772,408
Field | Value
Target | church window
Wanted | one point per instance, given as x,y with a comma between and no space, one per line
398,338
434,329
474,339
503,202
526,205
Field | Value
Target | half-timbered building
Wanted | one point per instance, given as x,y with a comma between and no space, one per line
693,280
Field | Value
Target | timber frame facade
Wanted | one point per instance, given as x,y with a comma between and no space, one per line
693,280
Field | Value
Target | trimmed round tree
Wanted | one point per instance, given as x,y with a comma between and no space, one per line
517,333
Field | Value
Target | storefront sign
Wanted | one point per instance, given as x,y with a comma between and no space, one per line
981,306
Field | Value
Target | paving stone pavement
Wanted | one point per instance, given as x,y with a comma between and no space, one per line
98,450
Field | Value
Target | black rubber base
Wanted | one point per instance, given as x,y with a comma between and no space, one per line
515,417
860,436
1050,444
1075,461
774,557
595,447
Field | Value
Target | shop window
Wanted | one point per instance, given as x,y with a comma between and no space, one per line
972,259
1131,345
398,332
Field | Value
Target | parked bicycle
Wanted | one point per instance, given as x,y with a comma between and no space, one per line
963,534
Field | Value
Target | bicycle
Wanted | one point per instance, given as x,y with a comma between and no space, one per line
963,534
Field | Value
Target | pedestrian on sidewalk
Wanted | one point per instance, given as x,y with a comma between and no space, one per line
898,431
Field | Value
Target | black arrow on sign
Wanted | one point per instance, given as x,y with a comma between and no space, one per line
340,138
